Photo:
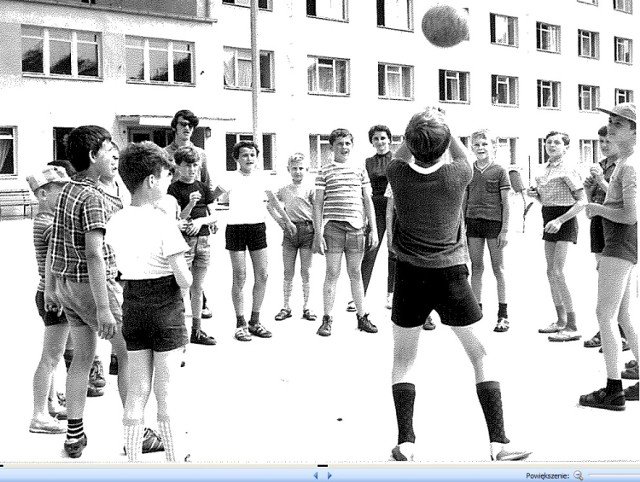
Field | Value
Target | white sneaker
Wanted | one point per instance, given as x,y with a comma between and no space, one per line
403,452
389,304
500,453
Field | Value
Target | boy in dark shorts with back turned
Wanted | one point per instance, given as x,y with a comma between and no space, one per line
428,240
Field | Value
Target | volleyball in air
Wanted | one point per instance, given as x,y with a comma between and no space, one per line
445,25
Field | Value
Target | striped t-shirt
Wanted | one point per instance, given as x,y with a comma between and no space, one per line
342,184
42,225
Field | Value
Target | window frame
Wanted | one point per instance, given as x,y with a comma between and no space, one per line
627,6
382,15
555,87
594,93
543,157
317,77
462,78
268,54
618,43
247,4
506,144
623,95
13,149
594,148
594,44
316,142
147,49
496,81
401,73
511,22
74,43
551,31
269,152
589,2
345,10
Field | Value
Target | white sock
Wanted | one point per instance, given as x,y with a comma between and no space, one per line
133,436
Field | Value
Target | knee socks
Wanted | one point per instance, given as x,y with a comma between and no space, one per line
491,402
502,310
133,438
75,428
167,436
404,395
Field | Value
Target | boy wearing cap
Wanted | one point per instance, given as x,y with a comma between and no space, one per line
46,185
619,257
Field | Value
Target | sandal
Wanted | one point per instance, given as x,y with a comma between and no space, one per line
309,315
351,307
259,331
283,314
594,342
502,325
565,336
242,334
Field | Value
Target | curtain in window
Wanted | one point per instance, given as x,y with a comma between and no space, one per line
5,147
229,67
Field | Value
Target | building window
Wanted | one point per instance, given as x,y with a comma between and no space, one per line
454,86
159,61
262,4
547,37
624,95
328,76
266,149
504,30
624,50
588,44
238,70
57,52
60,136
590,2
331,9
548,94
504,90
625,6
395,81
7,151
543,157
319,151
589,97
396,142
506,151
588,151
396,14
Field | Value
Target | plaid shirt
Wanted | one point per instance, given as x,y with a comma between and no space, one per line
557,184
82,207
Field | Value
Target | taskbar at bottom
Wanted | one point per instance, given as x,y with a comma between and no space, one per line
380,473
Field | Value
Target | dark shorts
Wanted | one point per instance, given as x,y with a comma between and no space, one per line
246,236
568,230
341,237
153,315
418,291
50,318
199,253
597,234
483,228
303,238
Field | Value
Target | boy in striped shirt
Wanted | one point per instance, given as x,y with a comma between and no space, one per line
341,207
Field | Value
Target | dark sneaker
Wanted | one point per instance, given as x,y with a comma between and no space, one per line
600,399
74,448
199,337
93,391
365,325
96,375
259,331
325,328
429,324
205,314
630,373
113,365
399,456
631,393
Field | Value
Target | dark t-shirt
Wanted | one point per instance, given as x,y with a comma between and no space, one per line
377,170
428,230
181,191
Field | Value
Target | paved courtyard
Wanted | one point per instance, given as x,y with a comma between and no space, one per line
300,398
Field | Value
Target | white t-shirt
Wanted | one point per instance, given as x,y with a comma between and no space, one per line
143,238
247,196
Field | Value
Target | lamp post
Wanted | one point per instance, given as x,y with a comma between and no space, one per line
255,73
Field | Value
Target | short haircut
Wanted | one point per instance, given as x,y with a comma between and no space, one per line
66,165
186,154
486,133
82,141
427,137
296,157
565,137
337,134
602,132
379,128
186,115
139,160
239,145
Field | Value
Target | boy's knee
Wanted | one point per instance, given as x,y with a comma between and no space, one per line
239,278
261,276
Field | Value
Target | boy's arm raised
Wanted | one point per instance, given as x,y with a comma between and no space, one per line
96,267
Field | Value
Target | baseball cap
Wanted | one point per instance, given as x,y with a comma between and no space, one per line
626,110
48,174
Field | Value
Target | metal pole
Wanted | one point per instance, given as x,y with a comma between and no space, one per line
255,73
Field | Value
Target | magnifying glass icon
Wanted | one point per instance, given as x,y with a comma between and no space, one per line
578,475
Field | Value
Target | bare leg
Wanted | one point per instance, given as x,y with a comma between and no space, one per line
354,263
476,253
139,375
84,342
306,259
330,280
497,264
166,367
260,274
289,256
239,268
53,346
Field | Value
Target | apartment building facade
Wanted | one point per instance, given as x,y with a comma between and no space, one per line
527,68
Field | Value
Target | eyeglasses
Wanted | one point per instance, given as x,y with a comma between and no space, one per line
185,124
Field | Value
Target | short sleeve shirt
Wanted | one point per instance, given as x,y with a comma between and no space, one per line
82,207
484,194
342,185
42,227
182,190
143,238
297,201
247,196
557,183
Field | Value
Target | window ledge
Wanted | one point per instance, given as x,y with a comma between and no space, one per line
339,20
33,75
247,89
455,101
549,108
588,58
511,106
620,62
328,94
515,46
166,84
397,29
549,51
404,99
